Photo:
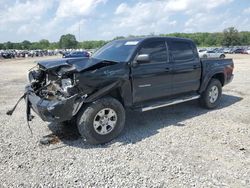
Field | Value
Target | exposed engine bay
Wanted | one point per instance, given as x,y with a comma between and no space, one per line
52,84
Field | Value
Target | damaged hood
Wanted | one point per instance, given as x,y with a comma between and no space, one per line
79,64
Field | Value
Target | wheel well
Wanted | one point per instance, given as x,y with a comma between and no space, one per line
220,77
117,95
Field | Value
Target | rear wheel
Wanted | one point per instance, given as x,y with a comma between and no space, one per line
211,96
101,121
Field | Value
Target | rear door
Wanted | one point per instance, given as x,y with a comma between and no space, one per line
153,79
187,66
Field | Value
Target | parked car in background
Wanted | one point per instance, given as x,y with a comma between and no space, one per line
218,50
64,53
231,50
248,51
7,54
76,54
211,54
226,50
245,51
202,50
238,51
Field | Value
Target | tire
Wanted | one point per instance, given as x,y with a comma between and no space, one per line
205,56
222,56
101,121
209,99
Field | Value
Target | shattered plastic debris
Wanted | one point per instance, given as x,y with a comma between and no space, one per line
49,139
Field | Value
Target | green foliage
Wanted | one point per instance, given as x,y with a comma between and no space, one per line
17,46
244,37
35,46
119,37
68,42
26,45
1,46
44,44
229,37
53,46
9,45
92,44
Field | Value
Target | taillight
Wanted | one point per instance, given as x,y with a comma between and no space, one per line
229,69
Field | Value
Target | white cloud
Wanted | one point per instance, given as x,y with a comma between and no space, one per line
74,29
23,11
24,29
184,5
176,5
122,8
203,22
36,19
71,8
246,11
142,16
159,16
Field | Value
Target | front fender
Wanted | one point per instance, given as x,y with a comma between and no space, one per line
102,92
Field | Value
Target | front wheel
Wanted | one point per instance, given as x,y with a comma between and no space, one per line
211,96
101,121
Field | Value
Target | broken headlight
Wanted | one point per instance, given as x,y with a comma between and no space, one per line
35,75
66,84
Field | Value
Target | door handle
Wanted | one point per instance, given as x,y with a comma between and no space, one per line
168,69
196,66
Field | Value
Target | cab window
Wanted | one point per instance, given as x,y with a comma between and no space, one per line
156,50
181,50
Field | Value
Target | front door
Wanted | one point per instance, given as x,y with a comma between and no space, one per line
152,79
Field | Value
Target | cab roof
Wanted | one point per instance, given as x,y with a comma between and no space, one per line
141,39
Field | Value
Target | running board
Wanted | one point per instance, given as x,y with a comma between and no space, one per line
169,103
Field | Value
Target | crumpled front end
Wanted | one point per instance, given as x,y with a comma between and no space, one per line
57,89
53,110
53,95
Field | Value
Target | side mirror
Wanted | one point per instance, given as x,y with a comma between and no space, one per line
143,58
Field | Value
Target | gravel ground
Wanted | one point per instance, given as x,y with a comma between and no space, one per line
178,146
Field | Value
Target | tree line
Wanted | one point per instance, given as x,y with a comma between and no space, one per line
229,37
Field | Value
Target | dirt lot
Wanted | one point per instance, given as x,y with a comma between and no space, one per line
179,146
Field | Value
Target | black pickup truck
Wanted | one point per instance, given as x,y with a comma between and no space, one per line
140,73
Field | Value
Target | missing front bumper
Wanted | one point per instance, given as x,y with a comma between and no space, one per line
53,110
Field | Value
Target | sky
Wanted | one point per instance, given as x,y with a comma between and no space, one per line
105,19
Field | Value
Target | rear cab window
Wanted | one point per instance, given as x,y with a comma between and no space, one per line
182,50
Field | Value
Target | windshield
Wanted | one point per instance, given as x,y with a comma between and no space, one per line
118,51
